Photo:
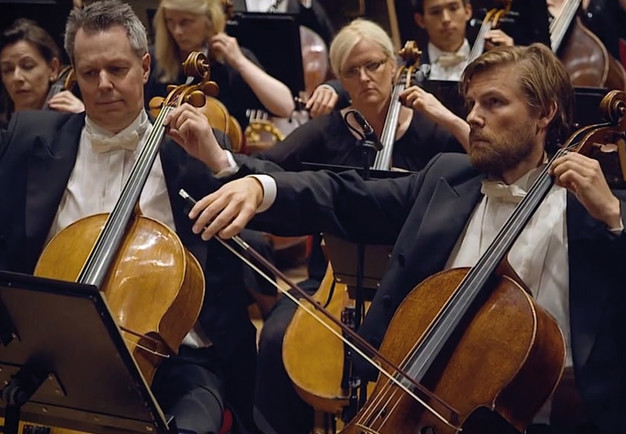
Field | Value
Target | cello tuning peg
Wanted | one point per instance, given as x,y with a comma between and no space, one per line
210,88
196,98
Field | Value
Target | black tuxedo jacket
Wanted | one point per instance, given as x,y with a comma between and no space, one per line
424,214
37,155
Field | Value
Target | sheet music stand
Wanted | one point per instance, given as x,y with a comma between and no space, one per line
62,335
342,255
275,41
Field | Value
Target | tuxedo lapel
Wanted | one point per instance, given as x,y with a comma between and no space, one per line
48,171
450,204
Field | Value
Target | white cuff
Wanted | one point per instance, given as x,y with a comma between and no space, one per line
329,87
618,230
306,3
269,191
232,168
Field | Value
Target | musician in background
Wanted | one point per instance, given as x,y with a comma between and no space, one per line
309,13
570,255
30,63
362,56
447,51
183,26
56,168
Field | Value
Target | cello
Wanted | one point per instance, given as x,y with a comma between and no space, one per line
65,81
411,56
152,284
491,21
438,332
584,56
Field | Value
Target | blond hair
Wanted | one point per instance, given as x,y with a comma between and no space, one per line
542,79
165,50
350,35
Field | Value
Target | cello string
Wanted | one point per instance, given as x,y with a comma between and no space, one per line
243,245
391,377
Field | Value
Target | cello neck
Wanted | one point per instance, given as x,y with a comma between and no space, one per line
383,160
476,280
411,55
560,24
107,245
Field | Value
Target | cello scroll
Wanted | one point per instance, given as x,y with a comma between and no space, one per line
606,142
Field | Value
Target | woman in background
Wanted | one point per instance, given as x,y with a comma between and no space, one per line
183,26
30,63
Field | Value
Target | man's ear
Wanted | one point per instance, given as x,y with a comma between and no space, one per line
55,68
468,11
547,117
145,65
419,19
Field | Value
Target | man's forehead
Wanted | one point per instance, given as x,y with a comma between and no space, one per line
431,4
497,79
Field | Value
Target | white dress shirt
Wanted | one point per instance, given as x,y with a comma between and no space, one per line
445,65
97,181
538,256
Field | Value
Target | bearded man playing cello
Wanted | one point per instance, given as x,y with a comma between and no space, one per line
570,254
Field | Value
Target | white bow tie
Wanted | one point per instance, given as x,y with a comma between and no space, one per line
447,60
127,141
498,190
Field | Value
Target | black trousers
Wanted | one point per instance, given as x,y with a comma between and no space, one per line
189,387
275,397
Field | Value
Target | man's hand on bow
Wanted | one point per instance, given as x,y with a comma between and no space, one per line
227,211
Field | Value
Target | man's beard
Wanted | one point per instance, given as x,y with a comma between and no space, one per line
500,154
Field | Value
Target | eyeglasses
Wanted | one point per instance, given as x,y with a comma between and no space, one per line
370,69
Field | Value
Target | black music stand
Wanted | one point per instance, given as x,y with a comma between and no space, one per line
342,255
361,268
63,361
275,41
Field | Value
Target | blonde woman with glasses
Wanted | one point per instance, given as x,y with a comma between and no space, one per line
363,59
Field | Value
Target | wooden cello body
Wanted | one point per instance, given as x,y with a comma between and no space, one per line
152,284
583,55
475,369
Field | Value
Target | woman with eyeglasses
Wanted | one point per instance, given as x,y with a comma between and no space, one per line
363,59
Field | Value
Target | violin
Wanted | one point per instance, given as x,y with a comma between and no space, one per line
411,56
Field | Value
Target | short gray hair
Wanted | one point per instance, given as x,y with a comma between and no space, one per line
103,15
